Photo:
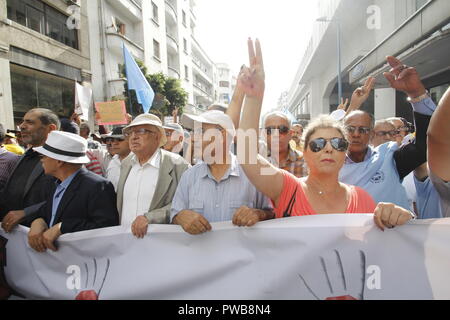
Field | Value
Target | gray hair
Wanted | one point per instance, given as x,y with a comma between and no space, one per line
47,117
2,133
360,112
278,114
384,121
322,122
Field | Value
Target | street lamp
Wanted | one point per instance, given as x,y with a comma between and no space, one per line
324,19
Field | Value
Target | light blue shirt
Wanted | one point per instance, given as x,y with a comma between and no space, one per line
217,201
427,201
59,193
378,174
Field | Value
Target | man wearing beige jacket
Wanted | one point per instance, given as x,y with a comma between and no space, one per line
149,176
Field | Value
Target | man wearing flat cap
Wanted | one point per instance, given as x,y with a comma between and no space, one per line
149,176
81,199
121,149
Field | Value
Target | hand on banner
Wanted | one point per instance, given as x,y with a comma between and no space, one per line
12,219
139,227
247,217
50,236
388,215
404,78
361,95
35,235
252,79
192,222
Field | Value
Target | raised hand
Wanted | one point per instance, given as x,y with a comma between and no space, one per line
361,95
343,105
404,78
252,79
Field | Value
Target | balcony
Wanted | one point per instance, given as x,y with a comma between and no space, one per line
115,40
130,9
172,44
173,73
171,14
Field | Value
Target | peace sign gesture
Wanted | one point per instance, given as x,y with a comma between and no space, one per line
252,79
404,78
361,94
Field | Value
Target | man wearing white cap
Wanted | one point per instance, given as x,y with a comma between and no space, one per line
175,138
149,176
216,189
81,200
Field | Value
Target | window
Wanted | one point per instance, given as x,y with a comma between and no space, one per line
185,45
155,12
186,72
44,19
184,19
224,84
32,88
156,50
121,27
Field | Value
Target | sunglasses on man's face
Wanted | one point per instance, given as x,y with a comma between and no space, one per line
282,129
338,144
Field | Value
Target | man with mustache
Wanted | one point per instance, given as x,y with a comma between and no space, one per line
27,186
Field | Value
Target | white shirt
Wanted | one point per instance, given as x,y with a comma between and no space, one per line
113,171
140,188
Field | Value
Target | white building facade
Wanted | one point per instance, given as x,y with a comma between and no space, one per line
416,31
160,33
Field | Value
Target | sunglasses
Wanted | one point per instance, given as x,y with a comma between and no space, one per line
338,144
282,129
361,130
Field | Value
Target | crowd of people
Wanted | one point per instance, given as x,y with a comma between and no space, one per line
56,177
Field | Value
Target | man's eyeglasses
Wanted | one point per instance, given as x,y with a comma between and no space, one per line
138,132
338,144
283,130
391,133
361,130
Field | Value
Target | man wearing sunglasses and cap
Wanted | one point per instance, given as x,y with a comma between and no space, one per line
149,176
81,199
121,149
216,189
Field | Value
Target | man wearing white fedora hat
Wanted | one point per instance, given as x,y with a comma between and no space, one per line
81,200
149,176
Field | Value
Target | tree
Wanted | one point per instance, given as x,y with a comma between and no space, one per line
169,94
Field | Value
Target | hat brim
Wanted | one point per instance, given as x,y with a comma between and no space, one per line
188,120
74,160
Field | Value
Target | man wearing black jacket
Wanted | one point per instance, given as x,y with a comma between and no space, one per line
27,186
80,199
380,171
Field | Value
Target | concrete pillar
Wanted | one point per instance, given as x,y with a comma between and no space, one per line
384,103
6,106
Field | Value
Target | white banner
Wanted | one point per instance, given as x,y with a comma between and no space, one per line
314,257
83,100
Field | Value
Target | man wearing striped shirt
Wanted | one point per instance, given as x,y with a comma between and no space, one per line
216,189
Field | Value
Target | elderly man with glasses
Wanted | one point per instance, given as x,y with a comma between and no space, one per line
149,176
380,171
278,132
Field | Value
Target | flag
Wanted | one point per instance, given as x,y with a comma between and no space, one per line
83,99
137,81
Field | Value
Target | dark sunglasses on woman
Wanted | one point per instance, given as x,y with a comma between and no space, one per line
282,129
338,144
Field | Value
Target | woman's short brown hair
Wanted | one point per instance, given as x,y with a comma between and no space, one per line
322,122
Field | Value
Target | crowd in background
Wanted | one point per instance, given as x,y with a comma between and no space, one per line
57,176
